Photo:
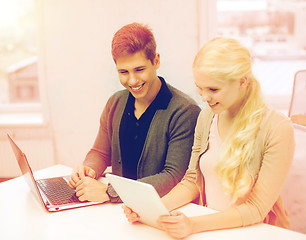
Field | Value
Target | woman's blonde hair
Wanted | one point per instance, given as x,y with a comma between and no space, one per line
225,59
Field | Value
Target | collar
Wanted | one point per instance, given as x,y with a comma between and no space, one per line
161,100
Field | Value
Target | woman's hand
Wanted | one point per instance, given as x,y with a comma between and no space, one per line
176,224
130,215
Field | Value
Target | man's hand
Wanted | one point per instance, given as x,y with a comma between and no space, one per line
80,173
89,189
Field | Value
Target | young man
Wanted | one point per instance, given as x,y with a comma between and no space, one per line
146,131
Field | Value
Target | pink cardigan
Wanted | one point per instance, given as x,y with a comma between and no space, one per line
269,168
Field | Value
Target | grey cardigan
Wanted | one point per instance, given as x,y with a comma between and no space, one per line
167,148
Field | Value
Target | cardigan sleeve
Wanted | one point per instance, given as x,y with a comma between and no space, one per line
276,161
99,156
193,179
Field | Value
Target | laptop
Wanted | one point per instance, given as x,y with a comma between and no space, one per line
54,193
141,197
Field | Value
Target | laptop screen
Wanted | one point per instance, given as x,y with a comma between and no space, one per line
24,167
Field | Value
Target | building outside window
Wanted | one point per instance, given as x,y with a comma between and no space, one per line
18,52
19,83
274,31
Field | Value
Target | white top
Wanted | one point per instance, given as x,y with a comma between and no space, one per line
216,197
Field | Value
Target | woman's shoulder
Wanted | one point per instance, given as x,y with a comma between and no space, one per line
181,99
273,117
276,121
204,119
206,113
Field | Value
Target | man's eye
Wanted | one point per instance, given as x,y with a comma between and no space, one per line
139,69
123,72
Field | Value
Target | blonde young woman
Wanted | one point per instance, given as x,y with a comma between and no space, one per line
242,149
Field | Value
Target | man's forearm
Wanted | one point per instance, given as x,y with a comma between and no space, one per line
96,161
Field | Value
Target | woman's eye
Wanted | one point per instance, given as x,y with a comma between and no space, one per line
139,69
213,89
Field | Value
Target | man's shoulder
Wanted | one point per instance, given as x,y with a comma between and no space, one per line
118,96
116,102
180,98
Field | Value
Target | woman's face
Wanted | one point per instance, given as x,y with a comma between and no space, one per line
220,96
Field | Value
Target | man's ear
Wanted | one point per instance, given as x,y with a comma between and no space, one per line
157,60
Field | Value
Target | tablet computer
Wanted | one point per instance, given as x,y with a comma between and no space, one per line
141,197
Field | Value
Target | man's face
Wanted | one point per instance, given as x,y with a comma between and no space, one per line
138,75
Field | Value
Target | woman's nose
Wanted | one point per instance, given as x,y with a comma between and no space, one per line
205,98
204,95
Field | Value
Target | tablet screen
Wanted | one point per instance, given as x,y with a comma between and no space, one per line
141,197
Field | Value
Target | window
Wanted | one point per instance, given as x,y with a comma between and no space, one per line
274,32
19,83
272,28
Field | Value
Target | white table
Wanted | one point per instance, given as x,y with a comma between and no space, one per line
23,217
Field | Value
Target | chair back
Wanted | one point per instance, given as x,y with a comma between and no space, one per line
298,98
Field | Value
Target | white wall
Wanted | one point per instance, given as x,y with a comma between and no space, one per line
78,72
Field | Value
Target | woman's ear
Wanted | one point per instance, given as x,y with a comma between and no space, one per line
244,82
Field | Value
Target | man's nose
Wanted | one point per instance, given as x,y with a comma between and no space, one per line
132,79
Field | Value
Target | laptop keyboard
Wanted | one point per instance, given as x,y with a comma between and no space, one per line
58,191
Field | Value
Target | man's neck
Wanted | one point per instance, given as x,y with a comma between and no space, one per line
142,104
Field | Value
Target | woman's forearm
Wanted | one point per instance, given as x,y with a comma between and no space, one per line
229,218
179,196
